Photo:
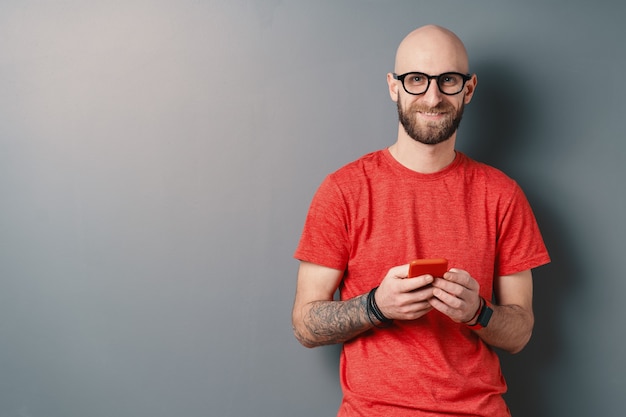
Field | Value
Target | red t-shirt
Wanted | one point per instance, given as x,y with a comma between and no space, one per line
374,214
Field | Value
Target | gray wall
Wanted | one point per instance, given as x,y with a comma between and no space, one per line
157,159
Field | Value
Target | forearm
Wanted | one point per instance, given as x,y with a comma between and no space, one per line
330,322
509,329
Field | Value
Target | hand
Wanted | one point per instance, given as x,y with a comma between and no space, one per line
456,295
402,298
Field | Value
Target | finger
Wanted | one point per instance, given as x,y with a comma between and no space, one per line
450,300
454,313
416,310
412,284
401,271
450,287
462,278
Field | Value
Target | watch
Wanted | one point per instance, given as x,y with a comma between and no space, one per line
483,317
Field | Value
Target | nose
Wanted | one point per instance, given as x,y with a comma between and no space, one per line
432,96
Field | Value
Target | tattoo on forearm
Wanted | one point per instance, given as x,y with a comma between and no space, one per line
330,322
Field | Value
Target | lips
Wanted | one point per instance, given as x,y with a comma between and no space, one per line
432,115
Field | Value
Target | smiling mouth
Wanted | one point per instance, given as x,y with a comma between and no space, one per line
432,114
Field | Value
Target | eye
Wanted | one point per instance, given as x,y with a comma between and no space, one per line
449,79
415,79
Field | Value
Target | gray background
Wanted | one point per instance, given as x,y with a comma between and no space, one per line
157,159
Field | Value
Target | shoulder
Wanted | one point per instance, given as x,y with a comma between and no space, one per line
360,169
490,176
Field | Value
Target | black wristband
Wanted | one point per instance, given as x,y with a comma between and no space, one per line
373,310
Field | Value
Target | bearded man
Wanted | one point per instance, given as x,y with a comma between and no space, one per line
420,346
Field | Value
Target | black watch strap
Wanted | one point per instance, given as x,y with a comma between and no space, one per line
484,316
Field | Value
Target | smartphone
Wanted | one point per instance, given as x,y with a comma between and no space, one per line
435,267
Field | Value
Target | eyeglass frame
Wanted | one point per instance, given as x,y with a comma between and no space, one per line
465,77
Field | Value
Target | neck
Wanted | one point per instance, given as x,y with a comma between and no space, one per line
425,159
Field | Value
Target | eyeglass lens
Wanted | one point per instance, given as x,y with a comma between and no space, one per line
449,83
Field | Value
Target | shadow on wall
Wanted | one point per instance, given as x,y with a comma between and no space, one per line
506,128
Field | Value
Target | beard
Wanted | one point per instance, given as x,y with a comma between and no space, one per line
434,132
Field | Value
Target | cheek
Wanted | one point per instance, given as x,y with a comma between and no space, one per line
408,103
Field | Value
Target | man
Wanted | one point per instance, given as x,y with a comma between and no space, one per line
421,346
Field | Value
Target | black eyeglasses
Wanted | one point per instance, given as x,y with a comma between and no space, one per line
449,83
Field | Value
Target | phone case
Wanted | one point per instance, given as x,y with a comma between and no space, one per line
435,267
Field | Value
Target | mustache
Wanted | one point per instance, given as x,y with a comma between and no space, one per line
439,108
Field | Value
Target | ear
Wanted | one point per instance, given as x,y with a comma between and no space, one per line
470,87
393,87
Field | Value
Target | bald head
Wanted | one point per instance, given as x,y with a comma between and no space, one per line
433,50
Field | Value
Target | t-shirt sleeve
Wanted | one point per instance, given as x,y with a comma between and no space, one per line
520,245
324,239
